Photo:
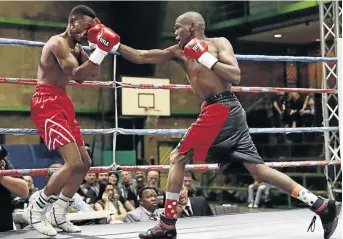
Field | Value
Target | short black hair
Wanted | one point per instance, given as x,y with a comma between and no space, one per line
82,10
141,191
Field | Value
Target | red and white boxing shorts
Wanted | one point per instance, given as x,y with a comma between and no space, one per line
54,116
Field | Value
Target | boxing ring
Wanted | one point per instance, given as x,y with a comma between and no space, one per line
293,223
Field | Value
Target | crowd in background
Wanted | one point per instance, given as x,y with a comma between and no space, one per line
129,197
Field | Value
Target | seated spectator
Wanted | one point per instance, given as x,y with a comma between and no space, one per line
90,189
129,188
192,206
103,177
188,183
148,207
9,185
140,179
153,180
262,190
113,179
22,202
109,201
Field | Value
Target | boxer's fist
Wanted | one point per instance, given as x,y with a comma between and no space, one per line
197,49
107,40
93,33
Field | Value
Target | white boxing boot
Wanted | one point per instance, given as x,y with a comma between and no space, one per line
58,215
35,214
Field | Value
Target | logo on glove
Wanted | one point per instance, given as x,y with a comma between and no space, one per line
103,41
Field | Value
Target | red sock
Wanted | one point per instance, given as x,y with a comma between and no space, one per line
170,208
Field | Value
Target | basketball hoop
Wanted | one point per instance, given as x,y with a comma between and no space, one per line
151,118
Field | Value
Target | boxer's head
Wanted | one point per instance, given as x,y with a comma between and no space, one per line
81,18
188,26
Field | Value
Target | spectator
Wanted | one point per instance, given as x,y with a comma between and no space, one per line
154,181
102,177
140,179
192,207
308,111
278,109
262,189
188,183
90,189
22,202
8,186
129,188
109,201
148,207
295,109
114,179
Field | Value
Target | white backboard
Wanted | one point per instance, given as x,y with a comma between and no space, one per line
135,101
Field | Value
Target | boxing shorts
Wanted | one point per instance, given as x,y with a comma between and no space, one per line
220,134
53,113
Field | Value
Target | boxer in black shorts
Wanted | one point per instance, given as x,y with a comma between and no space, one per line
220,134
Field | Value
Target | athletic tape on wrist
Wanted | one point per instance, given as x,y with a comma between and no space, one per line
98,56
207,60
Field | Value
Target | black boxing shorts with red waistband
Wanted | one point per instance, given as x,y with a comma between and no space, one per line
220,134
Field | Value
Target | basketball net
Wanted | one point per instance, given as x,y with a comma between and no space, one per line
151,119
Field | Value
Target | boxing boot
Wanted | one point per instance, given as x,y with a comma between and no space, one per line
58,215
164,230
35,215
329,214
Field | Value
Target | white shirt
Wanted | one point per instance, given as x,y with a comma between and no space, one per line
190,207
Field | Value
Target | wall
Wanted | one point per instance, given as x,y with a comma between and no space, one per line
22,62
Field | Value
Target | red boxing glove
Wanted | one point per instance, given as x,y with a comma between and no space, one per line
93,33
197,49
107,40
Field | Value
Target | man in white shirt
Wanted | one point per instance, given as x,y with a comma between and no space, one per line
192,206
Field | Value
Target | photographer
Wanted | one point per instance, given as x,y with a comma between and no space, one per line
8,186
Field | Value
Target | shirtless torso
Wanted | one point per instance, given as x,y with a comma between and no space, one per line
59,50
204,82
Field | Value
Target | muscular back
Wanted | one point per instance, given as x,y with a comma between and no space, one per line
49,69
204,82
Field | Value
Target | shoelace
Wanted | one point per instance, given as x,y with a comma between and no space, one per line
312,224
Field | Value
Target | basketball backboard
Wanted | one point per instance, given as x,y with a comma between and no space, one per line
136,101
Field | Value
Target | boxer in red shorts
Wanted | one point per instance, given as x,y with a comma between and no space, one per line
220,134
53,112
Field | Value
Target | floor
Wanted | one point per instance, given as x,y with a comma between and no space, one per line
290,224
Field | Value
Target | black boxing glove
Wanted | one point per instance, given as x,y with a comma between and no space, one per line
3,152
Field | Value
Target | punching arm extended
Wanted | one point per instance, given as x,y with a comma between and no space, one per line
146,56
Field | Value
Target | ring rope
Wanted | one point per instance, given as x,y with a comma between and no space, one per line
23,131
8,41
110,84
162,168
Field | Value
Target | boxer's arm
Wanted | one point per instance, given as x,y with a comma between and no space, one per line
227,65
154,56
69,64
83,58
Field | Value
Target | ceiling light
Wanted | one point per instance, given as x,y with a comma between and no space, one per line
317,39
277,35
